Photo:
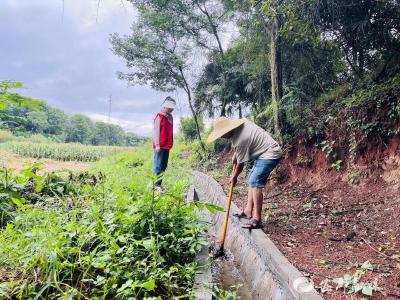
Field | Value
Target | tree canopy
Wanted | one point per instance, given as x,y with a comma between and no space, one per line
26,116
270,60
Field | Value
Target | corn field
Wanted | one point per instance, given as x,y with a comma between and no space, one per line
64,152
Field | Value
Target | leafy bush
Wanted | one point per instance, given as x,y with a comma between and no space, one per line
351,282
304,160
188,128
28,187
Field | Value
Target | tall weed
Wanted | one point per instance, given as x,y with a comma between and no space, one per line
113,238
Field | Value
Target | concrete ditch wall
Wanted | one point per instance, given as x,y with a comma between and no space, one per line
262,265
203,278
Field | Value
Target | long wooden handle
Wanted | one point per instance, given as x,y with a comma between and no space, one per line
228,208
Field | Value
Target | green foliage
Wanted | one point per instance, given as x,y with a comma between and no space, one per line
188,128
157,50
328,50
220,294
112,238
327,148
28,187
351,283
37,121
331,154
37,139
355,177
367,117
369,46
80,130
107,134
337,165
57,121
8,99
183,25
25,116
304,161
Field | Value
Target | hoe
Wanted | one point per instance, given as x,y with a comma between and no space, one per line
220,252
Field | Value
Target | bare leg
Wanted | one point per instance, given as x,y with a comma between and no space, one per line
250,204
258,202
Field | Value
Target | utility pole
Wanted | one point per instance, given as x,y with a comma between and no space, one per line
109,108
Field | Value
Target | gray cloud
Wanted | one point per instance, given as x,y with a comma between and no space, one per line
66,59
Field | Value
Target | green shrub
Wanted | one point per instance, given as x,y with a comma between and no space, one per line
112,239
188,128
304,161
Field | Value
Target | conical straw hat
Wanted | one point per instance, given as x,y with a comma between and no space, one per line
222,126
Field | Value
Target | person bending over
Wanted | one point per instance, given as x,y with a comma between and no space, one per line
250,142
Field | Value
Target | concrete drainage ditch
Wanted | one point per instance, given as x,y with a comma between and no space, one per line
264,269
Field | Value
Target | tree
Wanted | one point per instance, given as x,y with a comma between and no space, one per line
80,130
158,53
117,135
202,22
9,100
367,32
57,121
211,17
37,121
25,116
297,51
188,128
236,84
101,135
108,134
132,139
272,19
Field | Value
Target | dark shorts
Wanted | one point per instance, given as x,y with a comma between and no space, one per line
261,169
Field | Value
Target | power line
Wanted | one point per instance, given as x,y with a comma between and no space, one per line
109,108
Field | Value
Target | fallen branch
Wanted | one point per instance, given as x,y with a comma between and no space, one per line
277,194
377,251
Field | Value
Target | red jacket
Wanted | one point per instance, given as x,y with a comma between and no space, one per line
163,132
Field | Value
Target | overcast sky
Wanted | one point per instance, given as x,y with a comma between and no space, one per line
65,59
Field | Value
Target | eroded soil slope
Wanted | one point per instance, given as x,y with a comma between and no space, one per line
328,227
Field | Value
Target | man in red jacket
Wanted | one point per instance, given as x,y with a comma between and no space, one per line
163,138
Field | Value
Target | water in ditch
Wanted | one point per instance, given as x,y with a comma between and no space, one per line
228,277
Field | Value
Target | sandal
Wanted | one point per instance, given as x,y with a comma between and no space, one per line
252,224
241,215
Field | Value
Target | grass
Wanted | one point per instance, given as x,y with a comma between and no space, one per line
98,237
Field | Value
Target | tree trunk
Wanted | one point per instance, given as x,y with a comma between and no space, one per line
361,61
240,111
194,114
276,75
221,53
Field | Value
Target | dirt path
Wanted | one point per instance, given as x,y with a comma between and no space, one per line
16,162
